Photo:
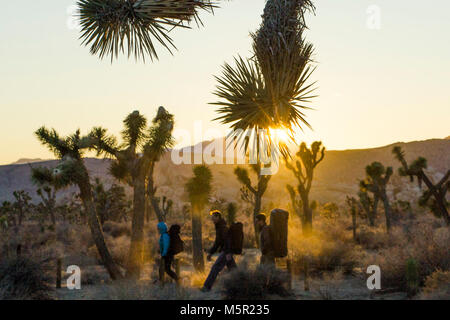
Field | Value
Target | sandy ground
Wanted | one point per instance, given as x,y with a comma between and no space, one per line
335,287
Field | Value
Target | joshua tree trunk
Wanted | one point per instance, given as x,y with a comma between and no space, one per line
387,210
256,211
373,213
197,246
151,190
136,254
96,230
307,215
353,210
52,217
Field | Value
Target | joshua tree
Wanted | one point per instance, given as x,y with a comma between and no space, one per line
48,202
269,90
257,191
435,196
21,206
113,26
369,205
303,170
377,178
198,189
72,171
231,213
166,206
134,163
112,203
6,212
353,205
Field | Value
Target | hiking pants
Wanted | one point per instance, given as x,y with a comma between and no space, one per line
218,266
167,266
267,260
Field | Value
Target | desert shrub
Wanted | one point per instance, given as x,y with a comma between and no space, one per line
328,287
24,278
261,283
329,248
116,229
118,248
437,286
94,275
372,238
428,248
333,256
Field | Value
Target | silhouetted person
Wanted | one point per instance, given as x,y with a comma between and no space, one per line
164,245
265,241
222,244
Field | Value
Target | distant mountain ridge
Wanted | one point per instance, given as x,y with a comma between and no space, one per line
335,177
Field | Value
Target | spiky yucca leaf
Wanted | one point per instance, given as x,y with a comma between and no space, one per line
284,56
111,27
271,89
160,137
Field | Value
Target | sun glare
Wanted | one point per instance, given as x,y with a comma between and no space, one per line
279,135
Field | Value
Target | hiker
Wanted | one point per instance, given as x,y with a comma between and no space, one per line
265,241
164,248
222,244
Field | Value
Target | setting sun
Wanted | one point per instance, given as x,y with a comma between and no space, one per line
280,135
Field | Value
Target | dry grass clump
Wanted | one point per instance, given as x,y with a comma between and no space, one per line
372,238
116,229
428,248
258,284
24,278
118,248
437,286
94,275
329,248
328,287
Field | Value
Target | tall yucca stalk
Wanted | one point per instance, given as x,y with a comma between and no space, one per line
271,89
111,27
283,56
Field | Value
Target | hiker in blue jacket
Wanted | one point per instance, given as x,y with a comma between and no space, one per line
164,245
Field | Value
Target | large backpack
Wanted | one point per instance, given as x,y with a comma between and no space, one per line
176,244
279,232
236,234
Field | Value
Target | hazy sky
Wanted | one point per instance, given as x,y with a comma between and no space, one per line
375,86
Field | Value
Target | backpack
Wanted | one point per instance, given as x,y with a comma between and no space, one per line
176,244
236,234
279,232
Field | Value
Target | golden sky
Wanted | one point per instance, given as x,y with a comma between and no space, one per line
379,81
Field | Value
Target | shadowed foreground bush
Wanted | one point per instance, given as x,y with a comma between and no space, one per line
437,286
244,284
24,279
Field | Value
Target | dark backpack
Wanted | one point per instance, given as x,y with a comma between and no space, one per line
236,234
279,232
176,244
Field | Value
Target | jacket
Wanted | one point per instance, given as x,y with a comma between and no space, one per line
223,240
265,241
164,239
